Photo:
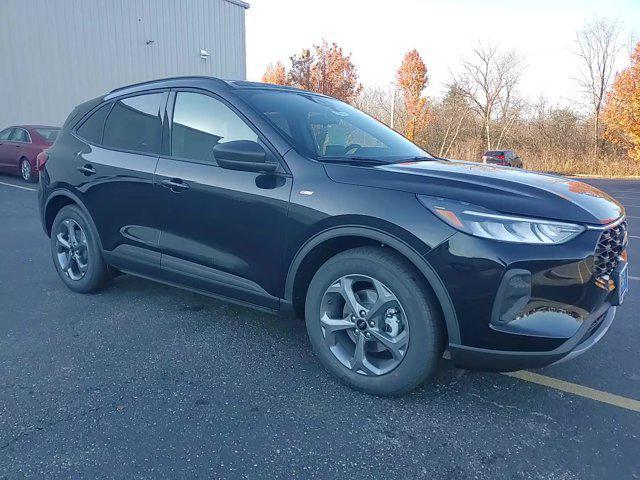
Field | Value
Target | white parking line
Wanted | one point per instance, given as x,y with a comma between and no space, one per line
633,236
575,389
18,186
635,278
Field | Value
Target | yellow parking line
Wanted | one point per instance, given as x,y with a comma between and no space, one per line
575,389
18,186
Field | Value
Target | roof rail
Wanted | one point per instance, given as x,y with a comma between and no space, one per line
163,80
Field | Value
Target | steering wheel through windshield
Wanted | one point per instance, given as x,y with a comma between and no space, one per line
352,146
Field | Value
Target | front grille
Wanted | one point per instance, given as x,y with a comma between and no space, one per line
610,246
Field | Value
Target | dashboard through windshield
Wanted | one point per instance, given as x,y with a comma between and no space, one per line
327,129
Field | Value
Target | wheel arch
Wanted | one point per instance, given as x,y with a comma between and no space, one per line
334,240
59,199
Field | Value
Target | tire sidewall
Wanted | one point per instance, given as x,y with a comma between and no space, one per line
95,270
423,352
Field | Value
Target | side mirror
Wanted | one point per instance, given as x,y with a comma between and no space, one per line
243,155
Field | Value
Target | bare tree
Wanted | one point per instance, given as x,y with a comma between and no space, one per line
597,48
489,81
375,101
454,109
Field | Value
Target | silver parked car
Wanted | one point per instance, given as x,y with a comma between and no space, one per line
507,158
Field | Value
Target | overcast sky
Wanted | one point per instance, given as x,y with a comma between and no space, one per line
379,32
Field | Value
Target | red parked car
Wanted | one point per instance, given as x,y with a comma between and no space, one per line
19,147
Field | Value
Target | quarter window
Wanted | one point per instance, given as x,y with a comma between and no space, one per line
200,122
92,127
135,124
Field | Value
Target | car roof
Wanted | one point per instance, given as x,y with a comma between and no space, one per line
199,81
32,127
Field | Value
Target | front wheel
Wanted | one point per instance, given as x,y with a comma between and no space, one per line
373,323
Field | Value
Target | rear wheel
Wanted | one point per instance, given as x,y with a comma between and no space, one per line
26,171
372,322
76,252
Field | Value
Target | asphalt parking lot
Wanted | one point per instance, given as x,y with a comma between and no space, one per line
148,381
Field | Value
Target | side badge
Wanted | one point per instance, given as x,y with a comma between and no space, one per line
306,192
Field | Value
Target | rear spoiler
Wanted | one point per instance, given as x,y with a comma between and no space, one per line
79,112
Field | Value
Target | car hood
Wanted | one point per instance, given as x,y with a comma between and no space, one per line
503,189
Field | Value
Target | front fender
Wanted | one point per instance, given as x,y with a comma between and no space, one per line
392,241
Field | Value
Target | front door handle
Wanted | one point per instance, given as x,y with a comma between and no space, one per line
87,170
176,185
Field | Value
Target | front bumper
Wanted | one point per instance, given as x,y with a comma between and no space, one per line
523,307
590,333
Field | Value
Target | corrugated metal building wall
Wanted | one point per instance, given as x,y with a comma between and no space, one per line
56,54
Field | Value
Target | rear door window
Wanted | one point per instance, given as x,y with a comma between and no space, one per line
20,135
91,128
135,124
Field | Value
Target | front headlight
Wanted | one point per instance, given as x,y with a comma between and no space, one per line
484,223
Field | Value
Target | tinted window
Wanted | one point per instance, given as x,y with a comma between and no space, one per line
327,128
49,134
20,135
5,134
92,127
492,153
200,122
135,124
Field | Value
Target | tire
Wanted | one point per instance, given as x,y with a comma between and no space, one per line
26,172
419,316
95,273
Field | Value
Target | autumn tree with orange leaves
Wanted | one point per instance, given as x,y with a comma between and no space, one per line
324,69
411,79
300,72
333,73
622,110
276,74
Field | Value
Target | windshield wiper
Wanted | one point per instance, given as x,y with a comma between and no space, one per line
354,160
416,159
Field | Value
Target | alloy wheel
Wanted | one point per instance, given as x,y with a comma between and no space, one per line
25,170
72,252
364,325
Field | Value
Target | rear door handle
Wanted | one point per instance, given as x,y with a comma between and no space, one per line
87,170
176,185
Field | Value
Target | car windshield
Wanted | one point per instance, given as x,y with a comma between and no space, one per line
48,134
330,130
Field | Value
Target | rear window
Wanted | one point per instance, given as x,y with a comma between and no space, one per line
92,127
135,124
493,153
49,134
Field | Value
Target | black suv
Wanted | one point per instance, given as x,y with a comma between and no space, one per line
283,199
